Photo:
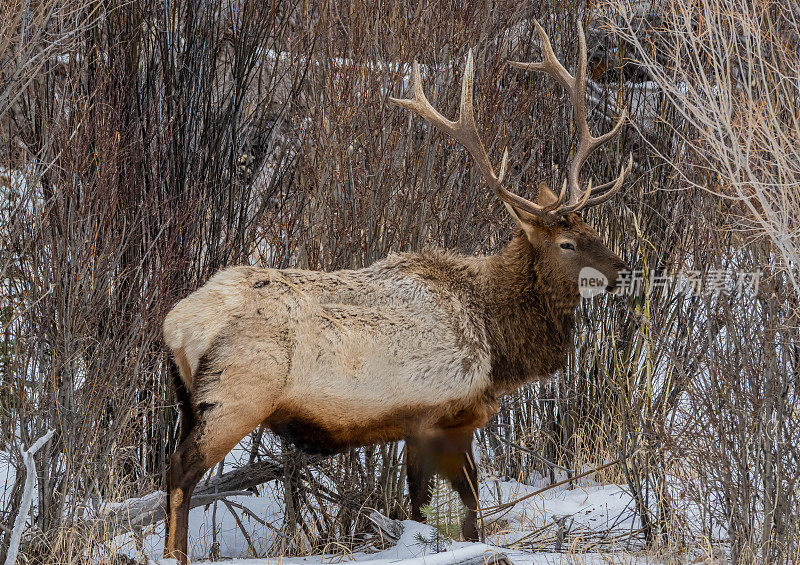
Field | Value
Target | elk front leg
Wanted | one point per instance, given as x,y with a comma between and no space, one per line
455,461
419,472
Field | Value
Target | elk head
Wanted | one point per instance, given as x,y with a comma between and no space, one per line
564,244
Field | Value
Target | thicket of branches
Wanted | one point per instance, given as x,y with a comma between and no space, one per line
147,144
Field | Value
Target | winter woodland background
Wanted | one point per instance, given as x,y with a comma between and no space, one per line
146,144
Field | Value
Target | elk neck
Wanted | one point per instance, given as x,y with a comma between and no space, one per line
530,315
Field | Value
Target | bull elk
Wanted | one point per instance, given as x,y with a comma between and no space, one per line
417,347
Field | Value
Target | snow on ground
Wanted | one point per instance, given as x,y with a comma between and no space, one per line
409,550
592,510
525,531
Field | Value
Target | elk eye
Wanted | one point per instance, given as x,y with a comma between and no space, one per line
568,245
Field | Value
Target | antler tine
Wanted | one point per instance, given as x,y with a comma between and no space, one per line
594,195
465,131
503,163
419,104
601,196
549,63
601,189
587,144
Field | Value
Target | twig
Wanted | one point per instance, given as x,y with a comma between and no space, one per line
27,496
241,527
500,507
255,517
531,452
532,534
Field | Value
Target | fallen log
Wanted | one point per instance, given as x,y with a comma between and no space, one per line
137,513
387,528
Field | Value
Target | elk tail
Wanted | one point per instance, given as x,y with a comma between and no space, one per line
184,398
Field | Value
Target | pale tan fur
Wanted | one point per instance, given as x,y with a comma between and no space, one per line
348,346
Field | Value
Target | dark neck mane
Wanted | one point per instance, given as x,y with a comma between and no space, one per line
530,321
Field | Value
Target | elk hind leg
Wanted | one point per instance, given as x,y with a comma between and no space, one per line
186,467
216,433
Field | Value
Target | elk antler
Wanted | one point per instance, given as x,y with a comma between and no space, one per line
465,131
576,87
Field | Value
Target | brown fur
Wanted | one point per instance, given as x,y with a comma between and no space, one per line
327,437
416,347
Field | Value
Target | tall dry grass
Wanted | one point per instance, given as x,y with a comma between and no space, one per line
729,72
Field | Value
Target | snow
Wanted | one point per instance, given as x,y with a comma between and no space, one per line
8,474
525,531
592,510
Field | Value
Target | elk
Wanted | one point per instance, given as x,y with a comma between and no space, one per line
416,347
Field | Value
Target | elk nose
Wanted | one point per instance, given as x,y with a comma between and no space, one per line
619,266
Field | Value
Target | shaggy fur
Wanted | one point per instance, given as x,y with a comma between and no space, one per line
416,346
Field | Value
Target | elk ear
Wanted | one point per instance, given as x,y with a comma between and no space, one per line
545,196
528,221
524,219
